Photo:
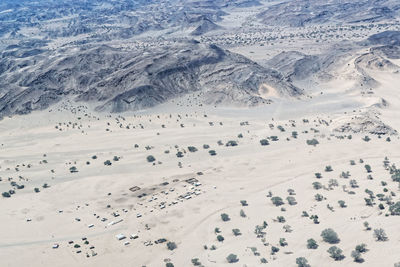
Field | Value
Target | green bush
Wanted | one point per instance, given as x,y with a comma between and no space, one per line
330,236
232,258
312,244
277,201
336,253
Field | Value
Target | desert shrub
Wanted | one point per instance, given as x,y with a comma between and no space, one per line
171,245
282,242
236,232
330,236
264,142
196,262
6,194
151,158
220,238
319,197
263,260
217,230
205,146
380,235
317,185
169,264
312,142
225,217
274,250
288,228
361,248
243,202
192,149
36,190
328,168
318,175
212,152
336,253
242,214
333,182
366,138
274,138
367,227
312,244
232,258
342,204
356,255
345,175
353,183
179,154
291,200
302,262
73,169
107,163
368,168
395,208
280,219
231,143
277,201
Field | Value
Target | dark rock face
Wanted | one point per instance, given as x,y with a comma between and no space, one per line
389,38
301,13
119,79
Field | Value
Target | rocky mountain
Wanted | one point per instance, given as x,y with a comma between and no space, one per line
118,79
309,12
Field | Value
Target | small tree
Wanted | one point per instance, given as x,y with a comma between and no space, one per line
274,250
368,168
192,149
291,200
362,248
330,236
242,214
225,217
312,244
244,203
302,262
356,255
317,185
264,142
380,235
150,158
336,253
277,201
328,168
196,262
236,232
232,258
342,204
171,245
312,142
367,227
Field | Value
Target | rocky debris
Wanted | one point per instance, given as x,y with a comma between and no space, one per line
366,123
